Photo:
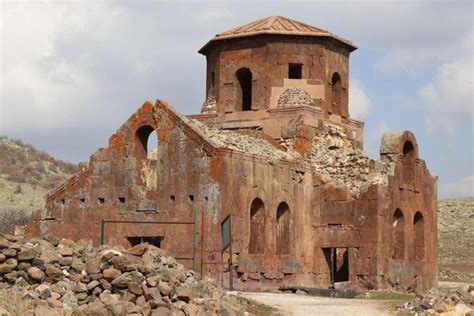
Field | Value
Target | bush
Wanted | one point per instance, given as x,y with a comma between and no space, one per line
10,218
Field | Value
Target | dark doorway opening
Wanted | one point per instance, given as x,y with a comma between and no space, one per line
135,240
338,263
295,71
244,75
336,94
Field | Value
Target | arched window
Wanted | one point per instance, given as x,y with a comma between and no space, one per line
257,227
408,162
244,100
147,142
408,150
398,235
283,229
336,94
419,236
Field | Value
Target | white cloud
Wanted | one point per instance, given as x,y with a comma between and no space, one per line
359,102
448,99
463,187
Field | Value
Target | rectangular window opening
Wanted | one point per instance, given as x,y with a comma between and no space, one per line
83,201
295,71
191,198
101,200
172,198
121,200
63,201
155,241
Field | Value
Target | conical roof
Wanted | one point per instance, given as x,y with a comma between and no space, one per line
276,25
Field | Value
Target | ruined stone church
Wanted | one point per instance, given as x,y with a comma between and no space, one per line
269,185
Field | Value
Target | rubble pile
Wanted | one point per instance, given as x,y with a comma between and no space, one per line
245,143
458,301
209,106
295,97
61,277
335,158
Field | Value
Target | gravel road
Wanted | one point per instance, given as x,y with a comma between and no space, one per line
292,304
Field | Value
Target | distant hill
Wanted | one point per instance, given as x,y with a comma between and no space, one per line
456,239
26,176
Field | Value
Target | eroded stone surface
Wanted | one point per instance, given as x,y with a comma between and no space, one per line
307,204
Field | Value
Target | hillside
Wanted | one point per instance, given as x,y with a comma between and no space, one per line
456,239
26,176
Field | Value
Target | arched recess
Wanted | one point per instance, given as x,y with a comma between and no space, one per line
244,94
283,229
257,227
409,155
336,94
419,236
146,142
398,235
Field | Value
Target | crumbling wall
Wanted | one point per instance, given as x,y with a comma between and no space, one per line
121,184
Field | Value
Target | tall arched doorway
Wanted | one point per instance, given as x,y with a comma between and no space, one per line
419,236
283,241
336,94
398,235
244,99
257,227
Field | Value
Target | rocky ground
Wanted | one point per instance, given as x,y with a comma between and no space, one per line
48,276
442,301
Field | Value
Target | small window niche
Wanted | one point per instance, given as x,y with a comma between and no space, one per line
101,200
295,71
121,200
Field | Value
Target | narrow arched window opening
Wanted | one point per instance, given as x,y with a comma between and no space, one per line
398,235
408,162
244,102
336,94
147,143
408,149
419,236
283,229
257,227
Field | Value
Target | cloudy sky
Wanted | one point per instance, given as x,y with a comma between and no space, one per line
73,71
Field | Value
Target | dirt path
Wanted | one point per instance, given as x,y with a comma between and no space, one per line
292,304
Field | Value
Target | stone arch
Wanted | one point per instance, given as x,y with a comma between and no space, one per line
398,235
409,155
257,227
418,236
336,94
283,233
146,142
244,94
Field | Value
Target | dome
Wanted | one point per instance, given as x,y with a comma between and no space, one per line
295,97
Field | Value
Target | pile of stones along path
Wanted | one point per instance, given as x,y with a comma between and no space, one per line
61,277
449,302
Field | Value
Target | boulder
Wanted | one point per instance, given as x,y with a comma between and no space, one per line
122,280
50,256
93,265
111,274
36,274
9,252
27,254
6,268
165,288
54,272
138,250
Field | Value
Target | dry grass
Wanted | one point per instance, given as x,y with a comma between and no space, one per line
11,300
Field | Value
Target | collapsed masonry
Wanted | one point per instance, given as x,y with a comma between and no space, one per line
270,177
